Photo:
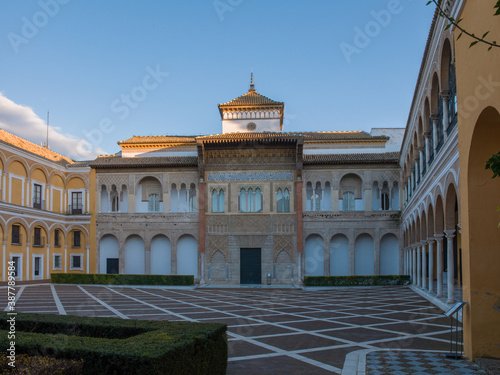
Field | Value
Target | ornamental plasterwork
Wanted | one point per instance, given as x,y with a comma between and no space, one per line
183,178
284,223
283,243
109,180
251,224
249,156
217,243
217,223
323,177
250,176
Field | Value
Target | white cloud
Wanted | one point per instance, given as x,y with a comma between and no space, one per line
23,122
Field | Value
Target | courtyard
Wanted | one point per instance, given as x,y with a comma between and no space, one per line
270,331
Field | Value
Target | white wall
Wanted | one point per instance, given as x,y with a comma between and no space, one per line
314,256
108,248
161,259
240,125
134,256
339,256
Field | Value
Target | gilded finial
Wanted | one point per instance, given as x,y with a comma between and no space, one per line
252,87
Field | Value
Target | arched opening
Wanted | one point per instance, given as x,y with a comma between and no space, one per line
134,256
363,255
351,193
187,256
339,255
149,195
389,255
314,254
161,259
109,255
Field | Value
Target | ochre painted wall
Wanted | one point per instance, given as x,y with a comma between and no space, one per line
478,88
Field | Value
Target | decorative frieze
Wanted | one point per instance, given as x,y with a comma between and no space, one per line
250,176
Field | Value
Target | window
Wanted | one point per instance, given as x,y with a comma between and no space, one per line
37,196
384,200
452,102
57,261
76,262
37,267
16,236
283,201
37,237
76,238
17,262
115,203
217,201
76,203
153,203
348,201
56,238
250,200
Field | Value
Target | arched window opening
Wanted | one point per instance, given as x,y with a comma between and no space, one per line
221,201
215,201
440,133
348,201
258,200
243,201
286,201
384,200
115,206
279,201
153,203
452,101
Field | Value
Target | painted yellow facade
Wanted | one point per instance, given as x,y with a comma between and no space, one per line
44,211
479,138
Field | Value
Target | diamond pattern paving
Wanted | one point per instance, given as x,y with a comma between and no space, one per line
275,331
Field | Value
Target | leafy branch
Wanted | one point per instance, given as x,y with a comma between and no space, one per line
443,13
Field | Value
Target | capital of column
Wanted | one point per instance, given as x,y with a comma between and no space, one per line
445,94
435,117
430,239
427,134
439,236
450,233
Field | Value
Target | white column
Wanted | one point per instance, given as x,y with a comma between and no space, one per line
430,241
65,258
427,148
48,259
88,260
424,264
4,186
414,261
450,234
419,265
109,200
4,262
439,264
87,201
314,199
434,132
27,258
202,280
27,202
446,120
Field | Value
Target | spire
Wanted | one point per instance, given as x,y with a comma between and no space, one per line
252,87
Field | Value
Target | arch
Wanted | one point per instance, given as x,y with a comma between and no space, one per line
435,94
76,182
389,254
339,255
161,255
149,195
446,60
17,165
451,208
351,193
39,173
314,255
439,216
109,254
134,255
364,256
187,255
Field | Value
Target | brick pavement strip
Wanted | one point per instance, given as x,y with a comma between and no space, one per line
274,331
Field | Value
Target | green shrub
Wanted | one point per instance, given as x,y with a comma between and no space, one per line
136,346
356,280
40,365
114,279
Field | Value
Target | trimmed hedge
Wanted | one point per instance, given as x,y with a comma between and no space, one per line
40,365
156,347
356,280
114,279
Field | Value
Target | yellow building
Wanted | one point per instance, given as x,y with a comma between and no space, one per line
44,211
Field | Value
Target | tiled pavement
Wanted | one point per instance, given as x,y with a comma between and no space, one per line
271,331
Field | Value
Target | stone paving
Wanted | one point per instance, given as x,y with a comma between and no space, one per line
270,331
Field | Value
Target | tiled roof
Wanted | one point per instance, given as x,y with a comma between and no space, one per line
308,136
32,148
159,139
382,158
120,162
251,98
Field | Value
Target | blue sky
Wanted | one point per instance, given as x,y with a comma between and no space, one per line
108,70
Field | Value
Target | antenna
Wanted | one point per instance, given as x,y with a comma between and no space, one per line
47,143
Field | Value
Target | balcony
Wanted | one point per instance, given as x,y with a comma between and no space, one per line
38,241
75,210
38,204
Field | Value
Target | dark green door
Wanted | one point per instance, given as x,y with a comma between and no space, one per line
112,265
250,266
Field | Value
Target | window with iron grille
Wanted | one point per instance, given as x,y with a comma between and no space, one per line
76,238
56,238
16,236
37,196
76,202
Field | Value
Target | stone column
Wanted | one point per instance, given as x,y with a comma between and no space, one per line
202,227
427,148
351,255
109,201
446,120
4,186
147,258
88,259
376,250
4,269
421,162
314,199
435,120
450,234
414,264
65,258
48,259
439,264
424,265
28,260
419,265
430,241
